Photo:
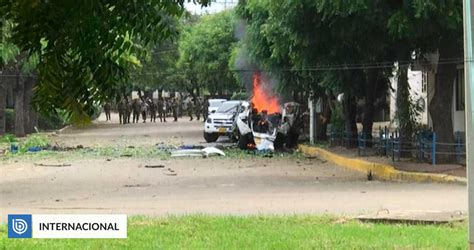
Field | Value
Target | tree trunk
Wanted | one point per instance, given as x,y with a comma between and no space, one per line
440,107
350,126
370,88
325,118
30,114
403,104
3,104
19,107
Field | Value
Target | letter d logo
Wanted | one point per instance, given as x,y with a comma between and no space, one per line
19,226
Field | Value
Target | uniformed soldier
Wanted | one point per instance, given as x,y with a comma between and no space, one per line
198,109
144,110
107,108
136,107
152,108
190,108
128,110
174,106
121,111
205,109
161,108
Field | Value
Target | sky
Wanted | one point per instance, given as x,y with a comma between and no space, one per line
216,6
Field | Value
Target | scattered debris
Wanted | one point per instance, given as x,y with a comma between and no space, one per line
205,152
154,166
169,172
136,185
34,149
191,147
165,148
370,177
52,165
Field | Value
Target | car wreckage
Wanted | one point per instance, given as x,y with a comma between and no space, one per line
261,131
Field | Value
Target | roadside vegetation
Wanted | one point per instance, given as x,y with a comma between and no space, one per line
261,232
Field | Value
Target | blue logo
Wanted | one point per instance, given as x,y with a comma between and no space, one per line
19,226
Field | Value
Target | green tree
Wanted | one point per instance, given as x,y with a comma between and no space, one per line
80,45
205,49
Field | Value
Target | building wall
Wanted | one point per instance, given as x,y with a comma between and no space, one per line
418,82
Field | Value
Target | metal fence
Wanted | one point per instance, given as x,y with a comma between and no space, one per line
424,146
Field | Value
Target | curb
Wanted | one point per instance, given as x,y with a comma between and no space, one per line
380,171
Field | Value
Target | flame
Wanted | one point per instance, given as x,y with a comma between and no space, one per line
262,99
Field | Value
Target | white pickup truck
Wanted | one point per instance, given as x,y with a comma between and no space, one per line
221,122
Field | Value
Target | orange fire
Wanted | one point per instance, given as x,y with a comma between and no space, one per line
262,99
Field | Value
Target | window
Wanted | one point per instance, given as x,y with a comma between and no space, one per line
460,90
424,82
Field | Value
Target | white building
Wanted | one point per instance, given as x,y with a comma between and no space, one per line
422,86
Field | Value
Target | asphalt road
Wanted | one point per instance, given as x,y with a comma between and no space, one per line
279,185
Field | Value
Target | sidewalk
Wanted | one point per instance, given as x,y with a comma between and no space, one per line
383,168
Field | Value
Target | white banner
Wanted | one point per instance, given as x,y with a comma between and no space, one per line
79,225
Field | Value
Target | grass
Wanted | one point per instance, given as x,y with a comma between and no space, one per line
260,232
149,152
90,153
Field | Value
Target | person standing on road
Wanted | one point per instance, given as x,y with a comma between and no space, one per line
205,109
198,109
107,109
174,106
161,109
136,110
121,111
190,108
144,109
128,110
152,107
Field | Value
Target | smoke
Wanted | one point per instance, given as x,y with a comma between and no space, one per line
247,69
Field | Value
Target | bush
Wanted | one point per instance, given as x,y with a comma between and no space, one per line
239,96
50,122
8,138
337,119
36,140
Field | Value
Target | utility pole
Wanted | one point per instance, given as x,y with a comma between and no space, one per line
469,85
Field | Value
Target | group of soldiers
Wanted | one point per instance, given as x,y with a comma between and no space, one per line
161,109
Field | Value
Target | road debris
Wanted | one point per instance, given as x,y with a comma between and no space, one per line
52,165
154,166
205,152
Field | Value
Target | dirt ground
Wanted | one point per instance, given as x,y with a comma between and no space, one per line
220,185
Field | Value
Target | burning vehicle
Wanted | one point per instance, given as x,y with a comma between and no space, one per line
265,124
263,131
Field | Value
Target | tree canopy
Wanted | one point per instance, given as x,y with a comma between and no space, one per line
83,47
205,49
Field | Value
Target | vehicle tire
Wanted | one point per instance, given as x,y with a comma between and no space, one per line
234,136
211,137
244,140
279,141
292,140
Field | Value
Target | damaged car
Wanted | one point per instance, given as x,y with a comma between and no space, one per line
262,131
